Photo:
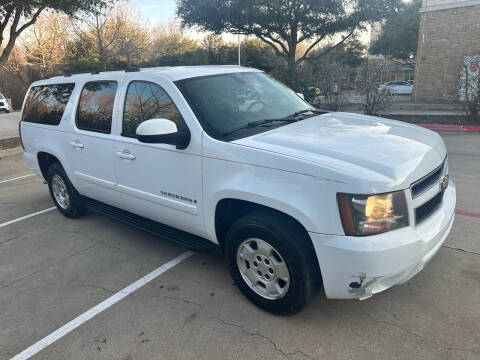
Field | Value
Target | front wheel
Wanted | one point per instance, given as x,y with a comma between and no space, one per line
272,262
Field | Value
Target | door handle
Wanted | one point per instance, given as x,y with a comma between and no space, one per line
125,154
77,144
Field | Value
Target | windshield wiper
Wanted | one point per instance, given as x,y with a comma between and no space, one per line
291,118
258,123
314,111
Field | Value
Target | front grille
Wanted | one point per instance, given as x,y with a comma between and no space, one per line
2,103
425,183
424,211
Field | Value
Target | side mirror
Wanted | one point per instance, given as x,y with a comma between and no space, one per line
163,131
301,96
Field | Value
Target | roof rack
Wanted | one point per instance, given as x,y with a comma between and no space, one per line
96,72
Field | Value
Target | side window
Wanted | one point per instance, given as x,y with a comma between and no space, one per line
144,101
45,104
95,108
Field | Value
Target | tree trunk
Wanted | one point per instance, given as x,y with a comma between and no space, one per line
292,65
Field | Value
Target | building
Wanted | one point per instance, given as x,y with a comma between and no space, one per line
449,36
392,69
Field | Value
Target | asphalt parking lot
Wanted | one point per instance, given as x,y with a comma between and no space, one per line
53,270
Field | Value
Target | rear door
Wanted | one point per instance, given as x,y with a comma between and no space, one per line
90,143
157,181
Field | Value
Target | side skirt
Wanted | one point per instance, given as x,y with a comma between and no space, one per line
192,242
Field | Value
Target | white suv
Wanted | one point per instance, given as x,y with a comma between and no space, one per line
296,197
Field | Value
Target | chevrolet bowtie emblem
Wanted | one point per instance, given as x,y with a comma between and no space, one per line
443,183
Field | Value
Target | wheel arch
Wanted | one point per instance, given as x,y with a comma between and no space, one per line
228,210
45,159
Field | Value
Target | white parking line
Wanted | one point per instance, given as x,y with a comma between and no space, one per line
87,315
26,216
16,178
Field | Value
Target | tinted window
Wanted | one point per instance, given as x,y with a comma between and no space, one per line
95,108
144,101
45,104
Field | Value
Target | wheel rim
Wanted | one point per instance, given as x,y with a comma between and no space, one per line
60,191
263,269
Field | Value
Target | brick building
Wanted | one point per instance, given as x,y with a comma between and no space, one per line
449,32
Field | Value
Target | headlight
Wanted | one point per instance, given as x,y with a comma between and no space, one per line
372,214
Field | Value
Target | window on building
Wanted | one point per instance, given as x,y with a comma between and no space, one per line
95,109
45,104
409,75
144,101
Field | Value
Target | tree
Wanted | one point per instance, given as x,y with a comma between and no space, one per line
170,46
218,51
469,87
98,34
18,15
399,34
375,102
133,37
286,24
45,42
257,54
107,39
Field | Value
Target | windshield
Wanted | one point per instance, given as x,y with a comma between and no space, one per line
226,103
1,96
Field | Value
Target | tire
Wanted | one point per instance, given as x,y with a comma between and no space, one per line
291,247
68,201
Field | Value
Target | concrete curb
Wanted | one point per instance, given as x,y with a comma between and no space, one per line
9,143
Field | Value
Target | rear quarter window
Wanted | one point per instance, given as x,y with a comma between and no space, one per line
45,104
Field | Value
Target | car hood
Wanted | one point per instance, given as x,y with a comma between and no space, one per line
351,146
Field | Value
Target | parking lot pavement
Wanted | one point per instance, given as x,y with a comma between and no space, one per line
53,270
9,124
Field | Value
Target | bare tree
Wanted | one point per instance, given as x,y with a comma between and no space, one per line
469,87
133,37
17,15
100,31
375,101
44,44
331,80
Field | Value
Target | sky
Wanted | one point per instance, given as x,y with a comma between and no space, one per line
156,11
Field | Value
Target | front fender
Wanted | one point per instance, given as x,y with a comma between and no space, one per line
303,197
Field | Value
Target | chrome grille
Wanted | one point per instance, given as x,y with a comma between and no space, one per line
425,183
424,211
427,207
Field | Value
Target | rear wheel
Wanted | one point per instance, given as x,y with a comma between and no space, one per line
271,262
66,198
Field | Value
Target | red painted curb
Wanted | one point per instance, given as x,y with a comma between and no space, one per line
467,213
471,128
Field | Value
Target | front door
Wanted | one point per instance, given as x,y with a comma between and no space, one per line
157,181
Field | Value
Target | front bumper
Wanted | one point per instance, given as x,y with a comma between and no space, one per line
358,267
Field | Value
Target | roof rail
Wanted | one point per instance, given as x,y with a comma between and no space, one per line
96,72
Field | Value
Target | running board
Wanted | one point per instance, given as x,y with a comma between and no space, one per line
193,242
